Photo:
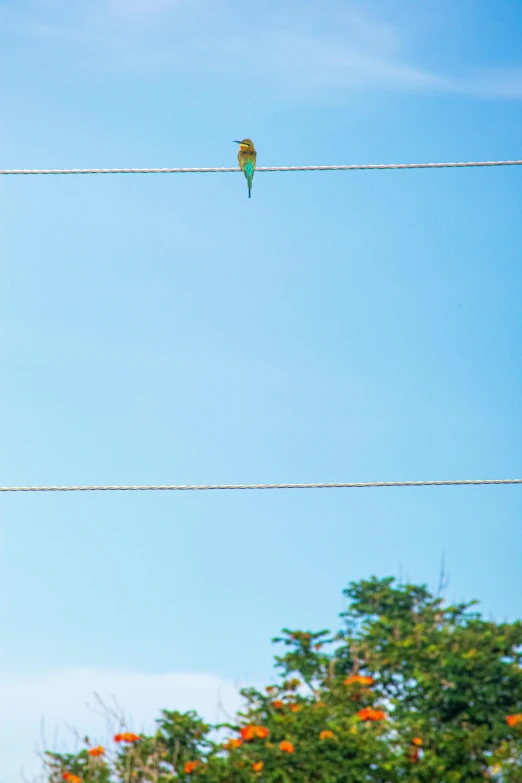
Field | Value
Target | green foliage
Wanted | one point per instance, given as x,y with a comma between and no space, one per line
408,690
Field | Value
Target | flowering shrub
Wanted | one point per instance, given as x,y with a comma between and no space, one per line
408,691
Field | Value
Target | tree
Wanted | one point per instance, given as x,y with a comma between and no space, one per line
407,690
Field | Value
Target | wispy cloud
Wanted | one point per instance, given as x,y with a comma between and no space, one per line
309,47
334,62
491,83
56,703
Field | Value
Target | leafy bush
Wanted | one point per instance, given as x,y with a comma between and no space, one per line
407,690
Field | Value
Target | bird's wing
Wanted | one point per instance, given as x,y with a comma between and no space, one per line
249,166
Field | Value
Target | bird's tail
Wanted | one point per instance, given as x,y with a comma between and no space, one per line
249,181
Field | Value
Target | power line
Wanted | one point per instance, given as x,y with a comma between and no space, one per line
199,487
261,169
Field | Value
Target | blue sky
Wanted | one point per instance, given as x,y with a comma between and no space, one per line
165,329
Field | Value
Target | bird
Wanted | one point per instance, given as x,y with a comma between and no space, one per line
247,160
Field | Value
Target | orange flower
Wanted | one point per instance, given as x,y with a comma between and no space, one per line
318,646
286,747
270,688
233,744
326,734
278,704
127,736
258,766
98,751
359,679
247,732
71,778
261,732
190,766
417,741
370,714
295,707
251,732
512,720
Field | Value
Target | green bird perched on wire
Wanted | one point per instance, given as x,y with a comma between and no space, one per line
247,160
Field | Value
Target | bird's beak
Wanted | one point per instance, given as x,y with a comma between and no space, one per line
236,141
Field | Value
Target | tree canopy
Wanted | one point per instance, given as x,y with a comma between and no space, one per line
408,689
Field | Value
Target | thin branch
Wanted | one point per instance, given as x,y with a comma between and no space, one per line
175,755
224,711
42,732
443,578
